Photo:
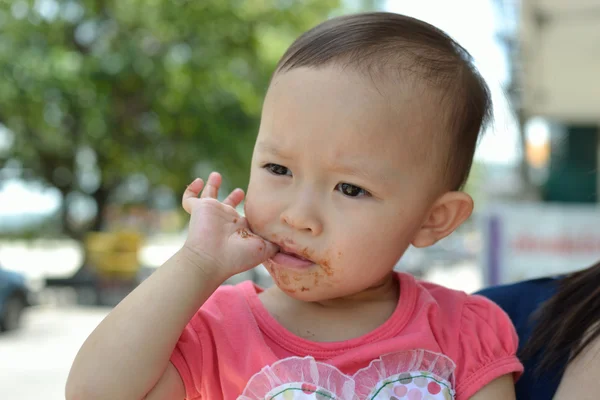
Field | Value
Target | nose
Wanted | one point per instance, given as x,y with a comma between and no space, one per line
302,214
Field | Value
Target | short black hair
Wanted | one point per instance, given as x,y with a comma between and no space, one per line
382,41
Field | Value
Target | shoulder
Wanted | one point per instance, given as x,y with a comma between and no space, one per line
216,325
455,309
469,316
487,346
462,318
441,297
458,306
227,303
476,333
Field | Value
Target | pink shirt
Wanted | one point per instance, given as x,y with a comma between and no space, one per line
438,344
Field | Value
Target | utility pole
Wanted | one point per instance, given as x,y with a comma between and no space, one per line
509,10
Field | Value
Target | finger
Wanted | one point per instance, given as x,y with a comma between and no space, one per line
269,250
191,192
265,249
212,186
235,198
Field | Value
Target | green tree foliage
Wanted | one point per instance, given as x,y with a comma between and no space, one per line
95,91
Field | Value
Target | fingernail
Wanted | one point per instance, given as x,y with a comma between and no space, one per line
212,176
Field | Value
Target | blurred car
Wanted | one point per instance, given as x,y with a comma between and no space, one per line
15,296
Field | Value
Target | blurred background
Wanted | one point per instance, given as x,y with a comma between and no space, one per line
109,108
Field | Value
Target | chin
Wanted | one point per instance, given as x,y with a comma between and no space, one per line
307,295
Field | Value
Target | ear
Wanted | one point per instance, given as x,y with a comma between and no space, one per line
447,213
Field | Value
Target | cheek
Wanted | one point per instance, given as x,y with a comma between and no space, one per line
258,211
371,243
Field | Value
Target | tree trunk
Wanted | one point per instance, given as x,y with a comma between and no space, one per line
101,196
530,191
67,226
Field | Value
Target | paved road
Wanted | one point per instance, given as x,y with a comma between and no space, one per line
35,361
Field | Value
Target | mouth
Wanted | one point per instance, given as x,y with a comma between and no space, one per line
293,254
290,258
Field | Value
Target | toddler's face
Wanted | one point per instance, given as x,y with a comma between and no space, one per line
338,180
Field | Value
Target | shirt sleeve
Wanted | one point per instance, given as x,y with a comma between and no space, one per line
187,359
487,344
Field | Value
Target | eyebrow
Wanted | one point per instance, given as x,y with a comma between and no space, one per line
347,169
272,149
340,168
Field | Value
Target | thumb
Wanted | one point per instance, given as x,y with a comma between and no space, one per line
265,249
269,250
260,249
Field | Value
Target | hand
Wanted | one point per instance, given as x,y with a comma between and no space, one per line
219,238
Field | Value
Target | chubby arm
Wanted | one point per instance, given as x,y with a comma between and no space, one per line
502,388
127,355
169,386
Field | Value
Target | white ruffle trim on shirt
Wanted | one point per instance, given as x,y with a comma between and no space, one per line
429,373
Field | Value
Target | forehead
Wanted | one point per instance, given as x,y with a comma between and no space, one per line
343,112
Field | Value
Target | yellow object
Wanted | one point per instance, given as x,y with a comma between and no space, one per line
114,254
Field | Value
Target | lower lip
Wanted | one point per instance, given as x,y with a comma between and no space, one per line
288,260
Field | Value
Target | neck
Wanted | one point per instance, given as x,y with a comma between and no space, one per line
348,316
384,291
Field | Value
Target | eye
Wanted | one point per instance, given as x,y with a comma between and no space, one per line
350,190
277,169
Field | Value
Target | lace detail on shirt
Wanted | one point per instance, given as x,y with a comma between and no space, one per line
412,375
